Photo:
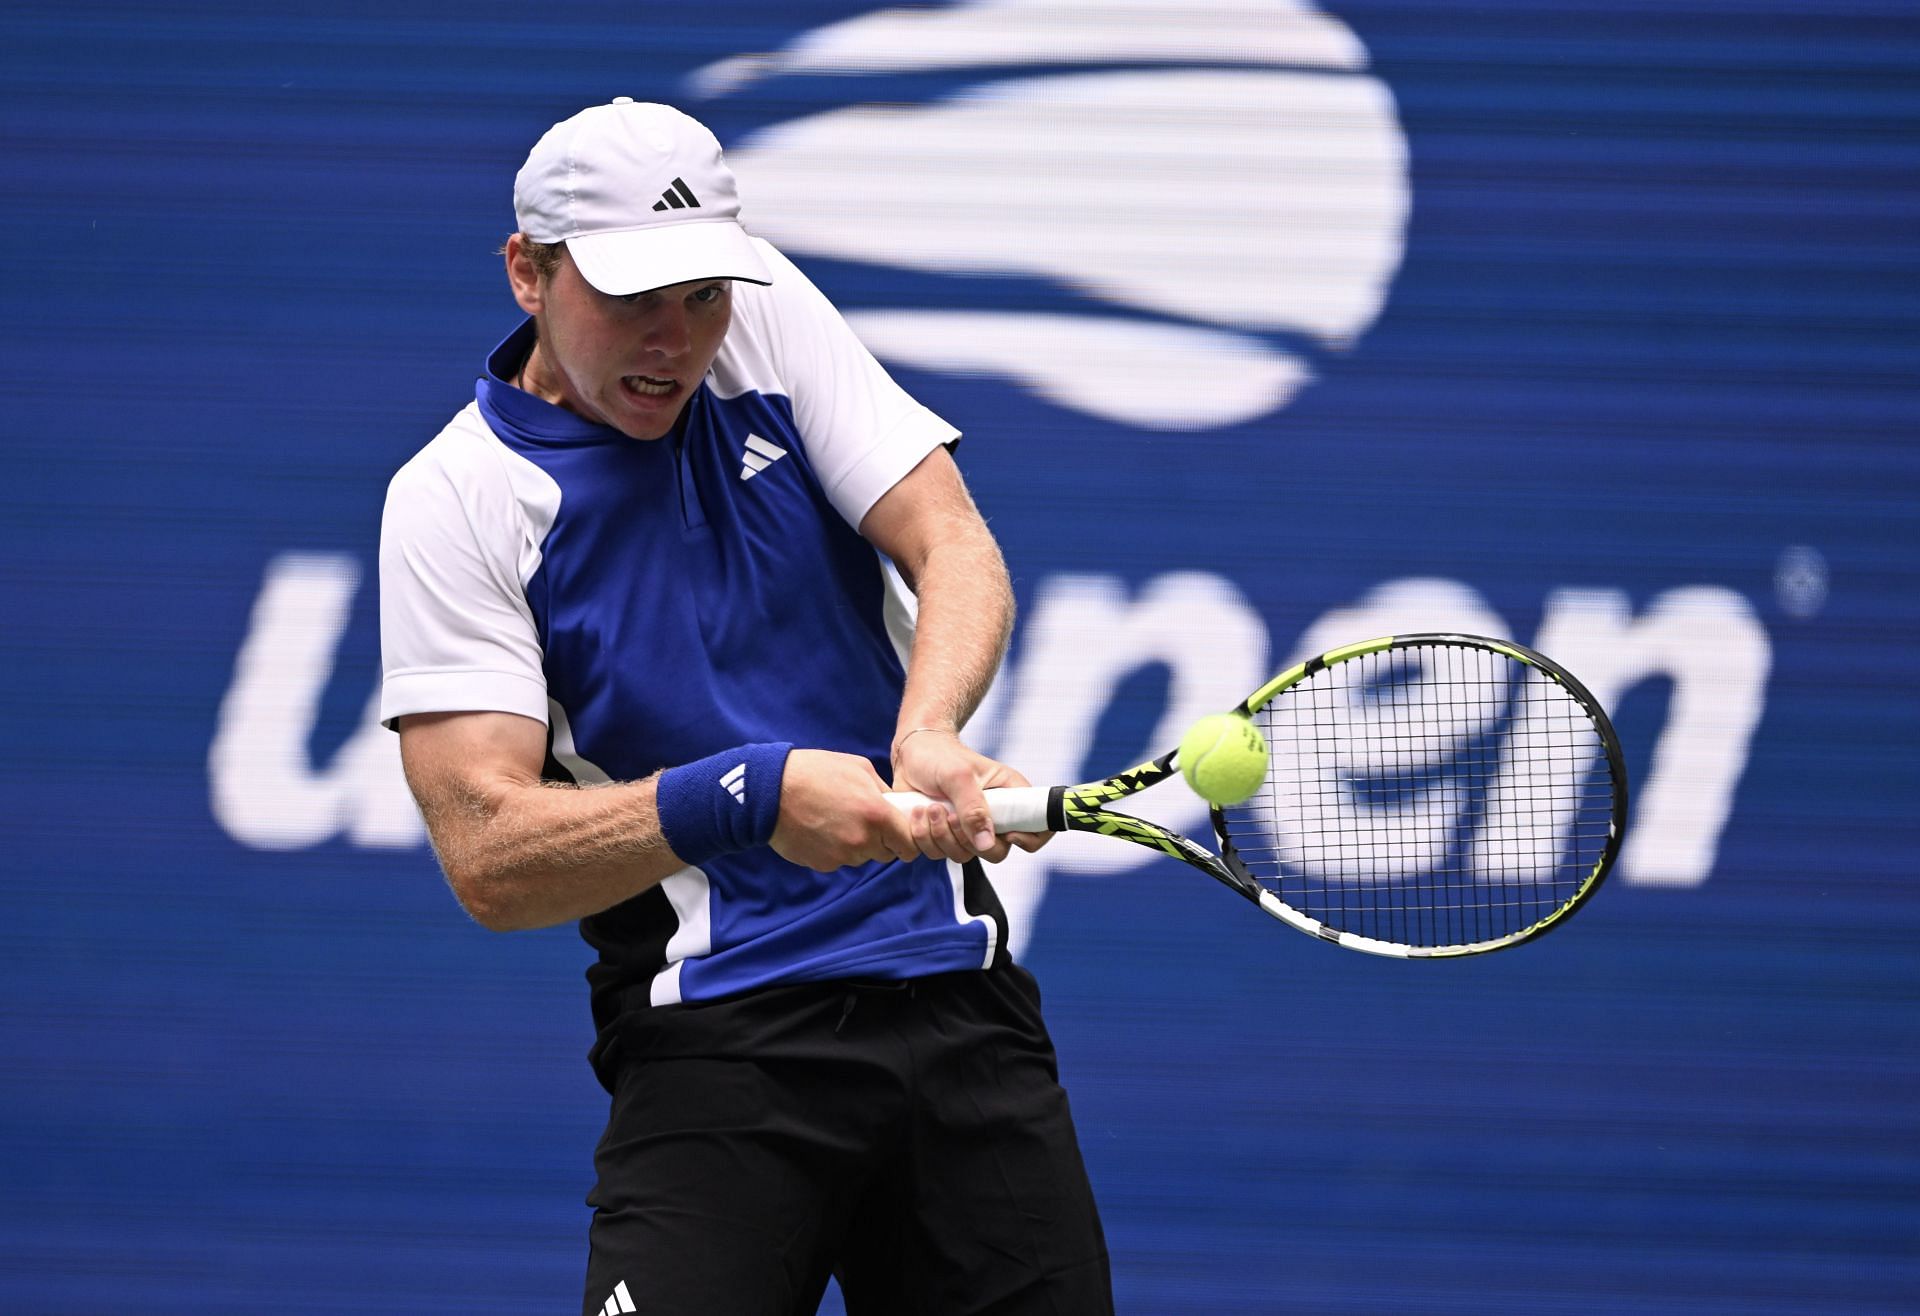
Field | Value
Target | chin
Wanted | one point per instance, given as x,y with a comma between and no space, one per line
651,434
636,428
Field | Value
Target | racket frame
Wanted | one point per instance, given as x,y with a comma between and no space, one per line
1083,808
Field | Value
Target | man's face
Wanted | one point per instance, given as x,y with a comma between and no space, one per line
629,363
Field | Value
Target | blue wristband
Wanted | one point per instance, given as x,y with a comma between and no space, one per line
726,802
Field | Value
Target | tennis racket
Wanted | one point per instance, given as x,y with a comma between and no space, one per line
1426,796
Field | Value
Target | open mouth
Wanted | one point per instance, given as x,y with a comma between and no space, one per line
647,386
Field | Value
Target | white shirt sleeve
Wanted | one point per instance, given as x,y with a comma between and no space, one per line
862,431
459,539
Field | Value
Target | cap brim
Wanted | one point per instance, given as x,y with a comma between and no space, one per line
642,259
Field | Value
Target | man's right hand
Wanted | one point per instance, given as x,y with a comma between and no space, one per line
833,814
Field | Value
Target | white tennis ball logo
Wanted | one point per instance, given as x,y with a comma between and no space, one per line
1218,200
1223,758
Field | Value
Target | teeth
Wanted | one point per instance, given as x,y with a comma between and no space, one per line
652,387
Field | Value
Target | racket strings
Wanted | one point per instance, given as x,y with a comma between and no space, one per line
1434,795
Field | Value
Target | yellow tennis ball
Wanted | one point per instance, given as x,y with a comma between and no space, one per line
1224,758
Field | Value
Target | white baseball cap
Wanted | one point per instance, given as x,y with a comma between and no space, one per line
640,195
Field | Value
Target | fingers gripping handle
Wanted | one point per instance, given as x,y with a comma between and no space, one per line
1014,808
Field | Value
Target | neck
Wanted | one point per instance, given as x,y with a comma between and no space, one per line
532,378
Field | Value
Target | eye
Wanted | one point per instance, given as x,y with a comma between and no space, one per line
710,294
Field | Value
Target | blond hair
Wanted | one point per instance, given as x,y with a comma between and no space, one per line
544,255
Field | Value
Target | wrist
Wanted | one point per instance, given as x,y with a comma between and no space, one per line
723,803
903,737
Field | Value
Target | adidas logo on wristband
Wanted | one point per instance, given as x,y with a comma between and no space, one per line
704,808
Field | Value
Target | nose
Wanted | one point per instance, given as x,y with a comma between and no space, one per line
666,330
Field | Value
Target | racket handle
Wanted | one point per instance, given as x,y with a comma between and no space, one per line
1014,808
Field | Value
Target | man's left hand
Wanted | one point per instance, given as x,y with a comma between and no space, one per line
939,765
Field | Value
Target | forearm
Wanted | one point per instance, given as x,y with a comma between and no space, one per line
533,854
966,615
965,619
520,852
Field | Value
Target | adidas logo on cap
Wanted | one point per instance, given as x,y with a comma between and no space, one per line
677,197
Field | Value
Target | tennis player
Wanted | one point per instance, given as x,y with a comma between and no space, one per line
648,620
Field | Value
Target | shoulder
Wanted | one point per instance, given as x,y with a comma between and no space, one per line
466,475
451,458
462,453
791,289
780,334
861,430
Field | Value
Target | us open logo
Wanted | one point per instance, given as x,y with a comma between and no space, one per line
1214,194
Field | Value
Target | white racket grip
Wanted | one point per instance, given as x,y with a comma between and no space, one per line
1014,808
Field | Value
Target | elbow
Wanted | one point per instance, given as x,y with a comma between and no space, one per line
493,918
485,902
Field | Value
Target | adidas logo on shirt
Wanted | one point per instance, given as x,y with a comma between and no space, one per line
677,197
735,780
621,1301
760,454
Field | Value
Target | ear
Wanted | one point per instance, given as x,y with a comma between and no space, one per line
522,277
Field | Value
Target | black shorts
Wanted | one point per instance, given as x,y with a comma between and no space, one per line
912,1139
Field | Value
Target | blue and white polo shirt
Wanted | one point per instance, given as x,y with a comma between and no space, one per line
656,602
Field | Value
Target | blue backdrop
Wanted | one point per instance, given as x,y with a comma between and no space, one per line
1271,326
